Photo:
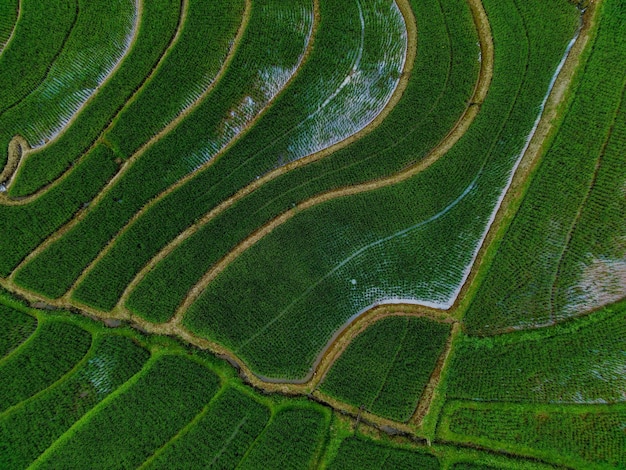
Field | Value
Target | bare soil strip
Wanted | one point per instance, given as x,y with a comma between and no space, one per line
19,147
554,109
407,12
113,181
155,200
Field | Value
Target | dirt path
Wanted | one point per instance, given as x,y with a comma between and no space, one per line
554,109
83,213
19,148
155,200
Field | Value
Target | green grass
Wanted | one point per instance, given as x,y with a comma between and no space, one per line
52,351
32,426
219,437
305,290
563,253
386,368
580,362
442,78
363,453
15,328
582,437
130,424
156,30
294,438
38,38
69,256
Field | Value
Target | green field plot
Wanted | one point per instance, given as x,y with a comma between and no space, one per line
582,437
362,453
50,352
132,423
283,45
31,427
323,105
37,39
15,328
157,27
220,436
564,251
294,438
334,260
386,368
8,17
443,76
101,36
579,362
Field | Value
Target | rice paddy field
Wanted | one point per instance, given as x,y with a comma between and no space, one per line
338,234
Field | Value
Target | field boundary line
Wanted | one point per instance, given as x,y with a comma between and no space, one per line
122,171
409,20
548,125
24,200
16,160
182,181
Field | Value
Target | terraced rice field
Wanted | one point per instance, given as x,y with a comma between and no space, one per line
402,222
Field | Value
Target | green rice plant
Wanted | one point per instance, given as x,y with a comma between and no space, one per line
363,453
563,254
218,437
294,438
334,260
37,39
124,429
8,19
187,70
100,38
52,351
15,328
435,79
386,368
579,437
24,227
270,30
31,427
580,362
158,24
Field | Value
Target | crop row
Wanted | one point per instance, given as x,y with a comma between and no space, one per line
320,99
8,18
101,36
158,23
563,253
334,260
386,368
580,362
581,437
15,328
442,77
38,37
283,45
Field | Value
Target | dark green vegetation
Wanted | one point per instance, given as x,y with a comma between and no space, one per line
385,369
163,145
564,252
